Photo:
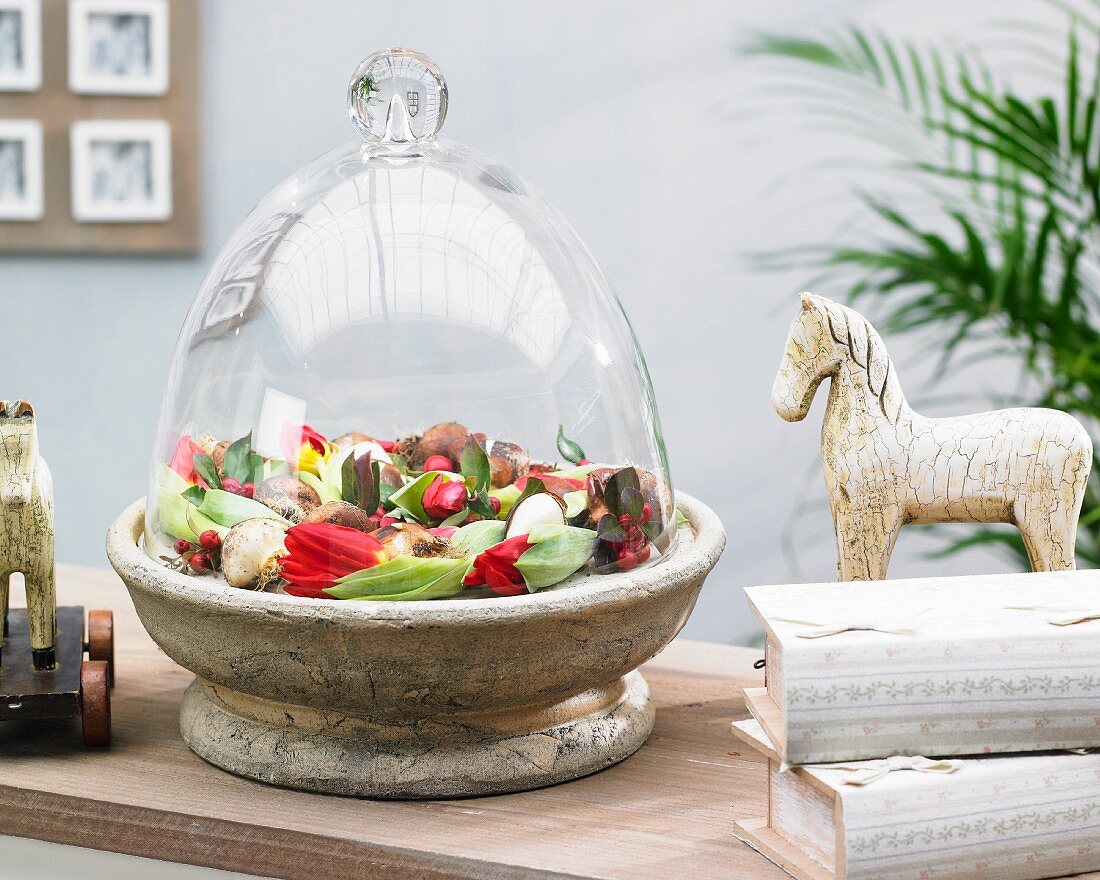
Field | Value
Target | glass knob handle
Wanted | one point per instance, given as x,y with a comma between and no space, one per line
397,96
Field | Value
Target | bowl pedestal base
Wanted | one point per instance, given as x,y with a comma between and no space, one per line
426,756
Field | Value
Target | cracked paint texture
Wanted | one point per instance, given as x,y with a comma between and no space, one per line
26,521
886,465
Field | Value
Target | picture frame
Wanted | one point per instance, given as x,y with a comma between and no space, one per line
20,45
22,195
121,171
118,47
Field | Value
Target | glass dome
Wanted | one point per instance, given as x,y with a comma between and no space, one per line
406,368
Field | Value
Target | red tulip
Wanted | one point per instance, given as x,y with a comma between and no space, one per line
442,499
183,459
496,567
320,553
297,436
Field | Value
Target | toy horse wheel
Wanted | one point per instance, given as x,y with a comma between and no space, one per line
95,702
101,640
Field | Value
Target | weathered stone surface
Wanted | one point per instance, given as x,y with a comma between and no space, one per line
418,699
886,465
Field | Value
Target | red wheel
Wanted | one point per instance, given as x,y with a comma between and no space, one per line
101,640
95,702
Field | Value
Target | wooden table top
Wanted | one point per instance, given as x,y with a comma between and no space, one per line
668,811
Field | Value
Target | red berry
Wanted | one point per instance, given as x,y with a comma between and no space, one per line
626,521
583,462
643,554
387,445
495,504
199,561
229,484
437,463
210,540
627,560
247,490
647,513
182,546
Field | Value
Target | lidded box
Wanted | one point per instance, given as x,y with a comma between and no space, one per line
407,299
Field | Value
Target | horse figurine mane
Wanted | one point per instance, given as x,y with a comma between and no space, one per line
850,329
27,527
887,466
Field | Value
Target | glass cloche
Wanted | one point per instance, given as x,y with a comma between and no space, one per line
405,377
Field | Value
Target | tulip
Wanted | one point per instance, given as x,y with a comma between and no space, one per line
305,448
496,567
318,554
443,499
183,459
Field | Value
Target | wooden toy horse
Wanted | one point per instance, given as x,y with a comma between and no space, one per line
886,465
27,527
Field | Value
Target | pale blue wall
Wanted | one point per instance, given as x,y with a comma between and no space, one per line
634,118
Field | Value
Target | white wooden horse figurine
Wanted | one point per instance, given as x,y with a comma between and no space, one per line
886,465
27,527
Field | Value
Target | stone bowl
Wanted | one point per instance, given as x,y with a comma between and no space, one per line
418,699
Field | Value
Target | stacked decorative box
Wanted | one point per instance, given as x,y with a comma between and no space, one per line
873,689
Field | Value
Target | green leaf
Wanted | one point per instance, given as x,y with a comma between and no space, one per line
404,578
194,494
576,503
569,449
205,468
481,505
507,496
349,480
367,474
474,463
477,537
532,487
238,460
325,491
410,496
228,509
556,557
456,519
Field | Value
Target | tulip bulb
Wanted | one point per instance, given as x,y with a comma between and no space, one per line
542,508
251,552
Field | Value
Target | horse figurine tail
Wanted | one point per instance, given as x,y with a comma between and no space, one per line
27,528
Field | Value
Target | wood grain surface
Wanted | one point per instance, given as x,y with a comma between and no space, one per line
668,811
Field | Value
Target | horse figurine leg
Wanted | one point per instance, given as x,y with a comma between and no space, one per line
865,538
5,593
42,612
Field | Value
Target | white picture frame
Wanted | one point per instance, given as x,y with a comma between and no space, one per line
21,172
121,171
118,47
20,45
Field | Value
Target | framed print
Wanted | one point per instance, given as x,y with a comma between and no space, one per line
118,47
21,177
121,171
20,45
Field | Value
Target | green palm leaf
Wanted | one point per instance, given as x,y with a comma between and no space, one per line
1009,255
